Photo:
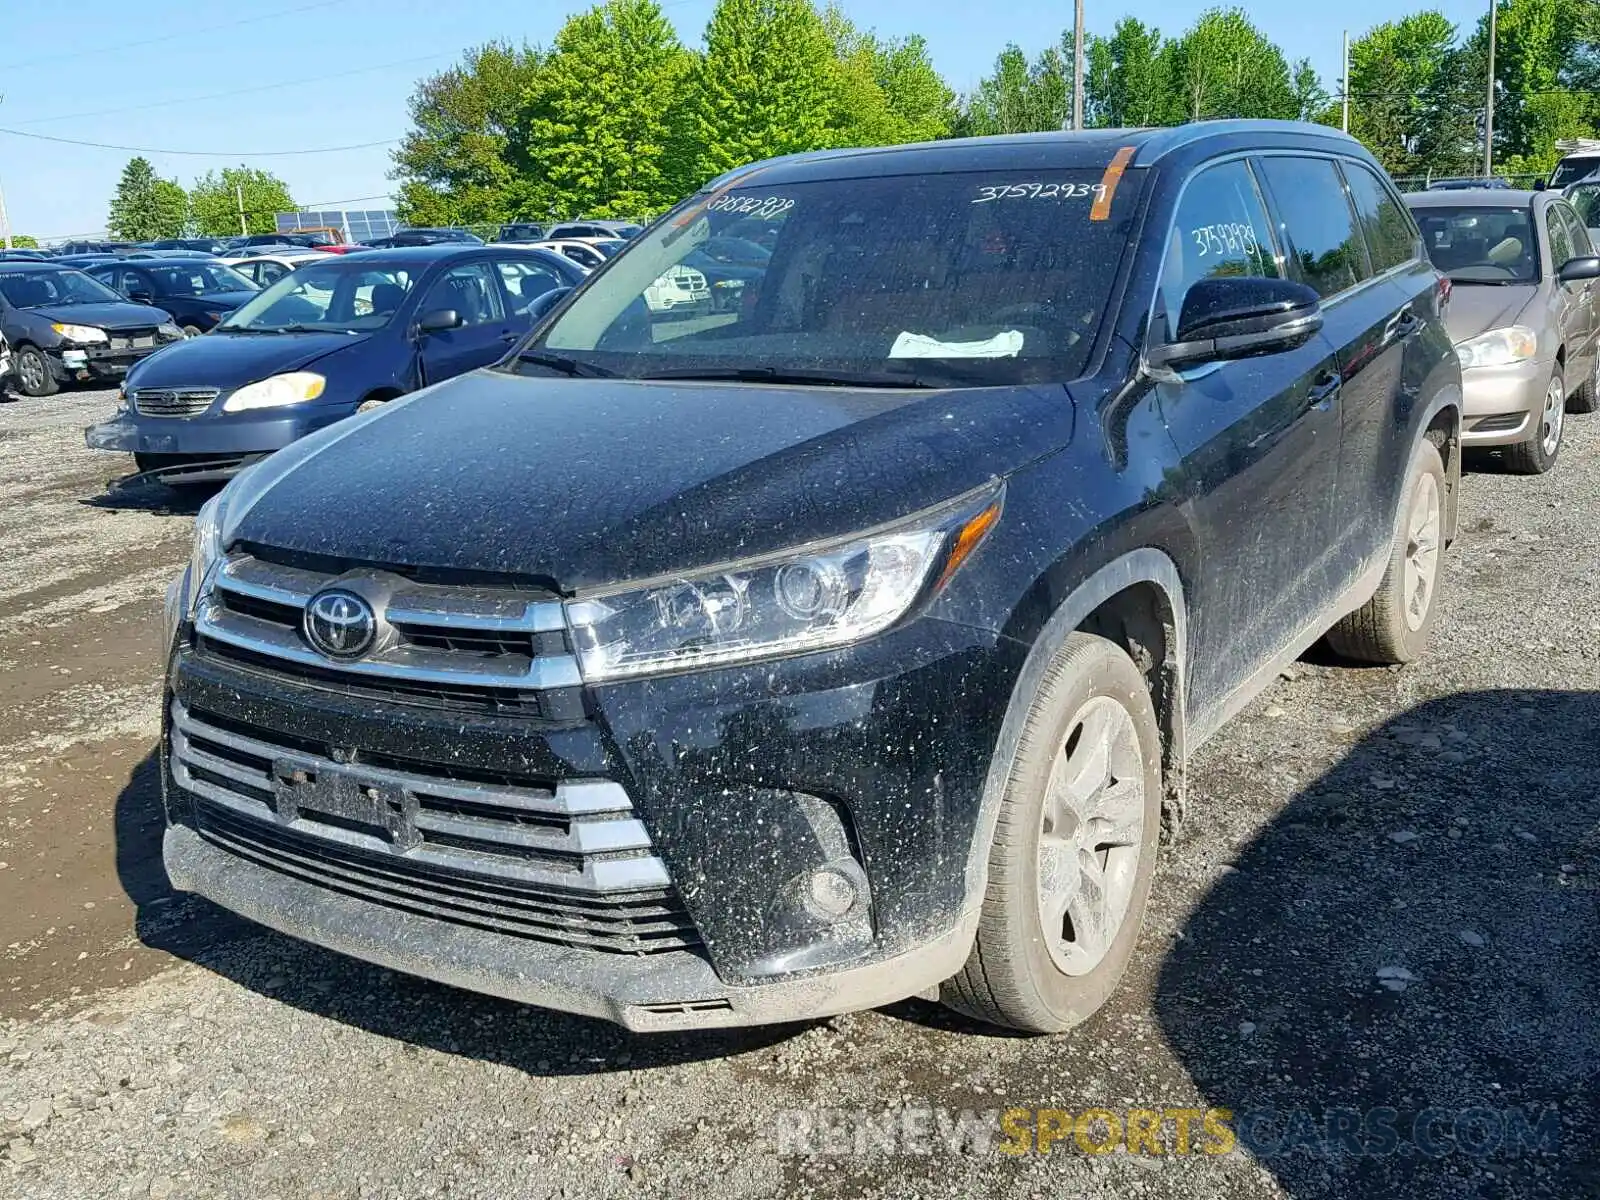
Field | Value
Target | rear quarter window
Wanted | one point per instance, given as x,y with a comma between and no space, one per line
1392,237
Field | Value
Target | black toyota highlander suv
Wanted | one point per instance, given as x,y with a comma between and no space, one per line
847,644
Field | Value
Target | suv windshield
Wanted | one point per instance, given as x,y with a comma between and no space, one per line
1570,170
1479,244
1003,278
200,279
340,296
48,289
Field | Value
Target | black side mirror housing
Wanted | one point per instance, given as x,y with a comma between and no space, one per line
1578,270
544,303
439,320
1240,316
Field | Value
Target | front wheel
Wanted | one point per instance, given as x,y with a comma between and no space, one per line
34,375
1538,454
1074,848
1587,398
1393,626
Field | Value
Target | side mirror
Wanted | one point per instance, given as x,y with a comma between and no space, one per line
1240,316
544,303
439,320
1577,270
140,296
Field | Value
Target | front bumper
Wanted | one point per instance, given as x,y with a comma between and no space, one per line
1503,404
734,774
212,435
84,363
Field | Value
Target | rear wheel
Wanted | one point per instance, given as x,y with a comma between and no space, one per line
1393,626
1538,454
34,376
1074,848
1587,398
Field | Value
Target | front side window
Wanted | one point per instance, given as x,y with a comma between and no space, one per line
1582,247
1221,229
526,281
1561,248
470,291
333,297
1001,276
201,279
1310,198
1391,237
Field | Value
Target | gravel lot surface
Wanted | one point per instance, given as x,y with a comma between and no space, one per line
1386,898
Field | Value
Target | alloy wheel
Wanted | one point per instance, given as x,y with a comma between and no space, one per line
1423,524
1091,830
30,370
1552,418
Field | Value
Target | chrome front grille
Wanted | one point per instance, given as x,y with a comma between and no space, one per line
431,637
173,402
566,863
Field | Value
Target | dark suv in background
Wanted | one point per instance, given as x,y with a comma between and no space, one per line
847,644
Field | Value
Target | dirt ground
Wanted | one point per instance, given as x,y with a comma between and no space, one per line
1382,915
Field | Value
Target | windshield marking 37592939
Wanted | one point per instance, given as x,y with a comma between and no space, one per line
1011,276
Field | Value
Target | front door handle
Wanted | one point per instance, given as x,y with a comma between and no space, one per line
1323,389
1401,326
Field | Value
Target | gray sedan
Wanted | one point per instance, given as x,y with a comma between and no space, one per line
1523,314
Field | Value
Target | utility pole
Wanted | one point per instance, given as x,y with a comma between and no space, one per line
5,222
1345,124
238,193
1077,67
1488,102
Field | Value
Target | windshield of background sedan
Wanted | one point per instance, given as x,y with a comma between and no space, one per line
334,297
49,289
1001,277
1481,244
202,280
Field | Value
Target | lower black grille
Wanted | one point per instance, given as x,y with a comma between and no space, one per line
1504,423
646,922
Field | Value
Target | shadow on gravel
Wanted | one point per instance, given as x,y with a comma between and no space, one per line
151,497
1397,992
413,1011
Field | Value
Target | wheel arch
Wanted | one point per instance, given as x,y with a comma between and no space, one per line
1136,600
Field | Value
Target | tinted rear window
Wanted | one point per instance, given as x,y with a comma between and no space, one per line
1311,200
1391,237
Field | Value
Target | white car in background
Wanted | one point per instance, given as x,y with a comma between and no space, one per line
266,269
588,253
681,287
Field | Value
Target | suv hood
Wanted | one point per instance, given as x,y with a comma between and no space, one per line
580,483
231,360
1476,308
110,315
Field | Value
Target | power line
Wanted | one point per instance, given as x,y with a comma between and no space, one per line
24,64
45,137
265,87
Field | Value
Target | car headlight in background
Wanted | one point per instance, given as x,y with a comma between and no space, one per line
294,388
83,334
814,599
170,332
1499,347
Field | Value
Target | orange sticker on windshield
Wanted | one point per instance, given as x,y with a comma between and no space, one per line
1108,184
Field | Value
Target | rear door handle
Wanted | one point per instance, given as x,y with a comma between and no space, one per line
1323,389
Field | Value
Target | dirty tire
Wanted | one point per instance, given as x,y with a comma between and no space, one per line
1538,454
34,377
1012,977
1380,631
1586,399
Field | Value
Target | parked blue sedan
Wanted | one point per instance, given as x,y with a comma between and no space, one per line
332,338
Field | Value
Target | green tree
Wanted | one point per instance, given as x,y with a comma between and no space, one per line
1223,66
764,86
606,115
1541,60
1022,96
466,159
1130,78
1406,102
885,92
146,207
216,199
21,241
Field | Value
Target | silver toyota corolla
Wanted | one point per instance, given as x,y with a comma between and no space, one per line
1523,314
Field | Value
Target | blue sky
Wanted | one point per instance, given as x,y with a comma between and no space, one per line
338,72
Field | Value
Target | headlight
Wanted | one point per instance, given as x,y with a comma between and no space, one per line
207,547
169,331
1499,347
85,334
294,388
802,600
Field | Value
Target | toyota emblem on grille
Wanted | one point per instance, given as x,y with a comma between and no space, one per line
340,624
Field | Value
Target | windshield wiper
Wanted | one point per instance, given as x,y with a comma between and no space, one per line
567,366
1488,282
799,375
